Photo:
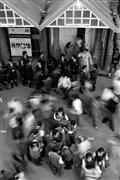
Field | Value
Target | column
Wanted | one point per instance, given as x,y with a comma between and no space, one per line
109,51
56,46
43,43
97,49
4,45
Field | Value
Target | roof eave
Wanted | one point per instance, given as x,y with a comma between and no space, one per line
21,13
56,14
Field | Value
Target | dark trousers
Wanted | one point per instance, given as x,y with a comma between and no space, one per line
66,92
109,119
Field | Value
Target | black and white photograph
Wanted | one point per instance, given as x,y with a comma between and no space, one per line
59,89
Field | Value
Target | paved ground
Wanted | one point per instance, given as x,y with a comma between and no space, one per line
43,172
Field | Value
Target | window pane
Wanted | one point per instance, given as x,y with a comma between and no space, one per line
17,15
86,21
101,24
1,6
69,21
2,14
3,21
61,22
7,7
77,13
86,13
9,13
77,21
26,23
94,22
18,21
69,13
11,21
54,23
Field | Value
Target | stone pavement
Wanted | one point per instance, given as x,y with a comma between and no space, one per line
43,172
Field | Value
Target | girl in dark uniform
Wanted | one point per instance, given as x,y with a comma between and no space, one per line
12,73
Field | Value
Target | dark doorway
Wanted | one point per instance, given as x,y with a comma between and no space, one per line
81,33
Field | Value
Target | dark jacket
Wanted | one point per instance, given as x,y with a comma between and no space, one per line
29,71
12,71
83,78
62,66
43,64
21,70
74,66
25,62
93,76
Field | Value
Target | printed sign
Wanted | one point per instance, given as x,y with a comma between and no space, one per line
20,41
18,45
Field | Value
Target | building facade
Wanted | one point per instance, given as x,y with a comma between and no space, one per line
47,26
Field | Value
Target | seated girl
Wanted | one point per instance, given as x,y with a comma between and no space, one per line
61,117
35,151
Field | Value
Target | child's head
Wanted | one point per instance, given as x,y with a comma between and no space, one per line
60,109
100,151
75,96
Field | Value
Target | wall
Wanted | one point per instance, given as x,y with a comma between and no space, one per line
4,45
55,50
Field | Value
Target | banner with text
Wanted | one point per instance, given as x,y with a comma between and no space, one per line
20,41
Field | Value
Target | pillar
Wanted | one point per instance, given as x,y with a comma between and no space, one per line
109,51
97,49
43,43
56,51
4,45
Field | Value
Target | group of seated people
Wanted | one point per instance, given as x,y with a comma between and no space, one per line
44,134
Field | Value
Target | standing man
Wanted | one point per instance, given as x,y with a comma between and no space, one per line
12,72
25,60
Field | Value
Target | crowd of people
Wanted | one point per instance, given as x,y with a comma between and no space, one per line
46,73
45,134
